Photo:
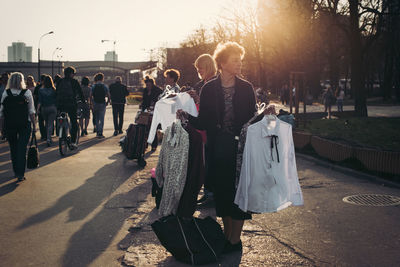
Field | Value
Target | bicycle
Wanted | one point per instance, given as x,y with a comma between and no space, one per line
64,138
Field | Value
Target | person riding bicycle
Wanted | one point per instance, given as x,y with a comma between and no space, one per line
68,92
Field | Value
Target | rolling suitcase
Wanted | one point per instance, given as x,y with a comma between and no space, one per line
135,143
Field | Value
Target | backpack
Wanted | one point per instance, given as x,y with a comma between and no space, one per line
99,94
15,111
65,93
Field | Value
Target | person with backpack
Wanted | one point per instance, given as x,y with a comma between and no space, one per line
42,127
17,119
99,93
118,92
67,93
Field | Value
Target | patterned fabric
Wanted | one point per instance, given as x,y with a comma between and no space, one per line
228,114
172,167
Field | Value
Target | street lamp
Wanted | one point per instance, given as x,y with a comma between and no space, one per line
52,61
51,32
114,41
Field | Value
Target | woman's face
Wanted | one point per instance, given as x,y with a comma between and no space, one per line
233,64
202,72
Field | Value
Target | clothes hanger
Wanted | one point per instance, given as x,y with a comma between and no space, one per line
260,107
168,92
270,113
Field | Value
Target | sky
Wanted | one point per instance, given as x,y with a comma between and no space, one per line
80,25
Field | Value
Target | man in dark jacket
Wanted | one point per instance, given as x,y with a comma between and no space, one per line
67,93
118,92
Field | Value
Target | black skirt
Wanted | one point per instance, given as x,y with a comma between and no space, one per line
223,169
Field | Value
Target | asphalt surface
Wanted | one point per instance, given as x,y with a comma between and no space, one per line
94,208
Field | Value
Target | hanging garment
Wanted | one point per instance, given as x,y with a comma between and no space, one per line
268,178
171,168
165,112
195,174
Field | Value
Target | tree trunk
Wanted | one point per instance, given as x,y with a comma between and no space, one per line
357,73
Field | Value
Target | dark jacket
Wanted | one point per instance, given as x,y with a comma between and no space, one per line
118,92
212,106
150,100
76,91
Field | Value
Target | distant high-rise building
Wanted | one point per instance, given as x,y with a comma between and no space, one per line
19,52
109,56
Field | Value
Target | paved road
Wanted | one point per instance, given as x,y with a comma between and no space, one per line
93,208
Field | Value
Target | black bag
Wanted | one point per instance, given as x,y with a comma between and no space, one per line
156,192
99,94
135,142
32,160
194,241
15,111
65,93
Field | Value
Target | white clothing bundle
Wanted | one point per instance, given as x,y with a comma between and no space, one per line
268,177
165,112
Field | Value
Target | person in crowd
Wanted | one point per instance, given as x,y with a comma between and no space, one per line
85,105
18,120
99,93
327,99
47,106
68,93
118,93
206,70
30,83
42,128
339,99
171,80
56,79
226,104
3,83
151,93
285,94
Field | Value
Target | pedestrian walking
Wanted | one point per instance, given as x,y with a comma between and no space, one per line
328,101
339,99
47,105
30,83
99,93
118,93
226,104
17,118
42,128
3,83
85,105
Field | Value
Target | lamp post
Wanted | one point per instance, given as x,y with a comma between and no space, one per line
40,39
114,42
52,61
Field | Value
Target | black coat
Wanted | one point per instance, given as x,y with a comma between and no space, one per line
150,100
212,106
118,92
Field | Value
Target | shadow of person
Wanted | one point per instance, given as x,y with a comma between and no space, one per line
96,235
86,198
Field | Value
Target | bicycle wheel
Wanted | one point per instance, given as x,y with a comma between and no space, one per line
62,142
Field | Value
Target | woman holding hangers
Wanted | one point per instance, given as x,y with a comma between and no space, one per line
227,102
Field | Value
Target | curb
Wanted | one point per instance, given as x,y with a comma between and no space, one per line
348,171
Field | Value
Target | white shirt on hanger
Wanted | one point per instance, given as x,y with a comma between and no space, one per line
265,184
165,112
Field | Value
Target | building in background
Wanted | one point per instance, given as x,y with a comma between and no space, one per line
111,56
19,52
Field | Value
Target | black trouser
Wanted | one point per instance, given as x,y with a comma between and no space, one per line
118,116
73,120
42,127
18,140
93,119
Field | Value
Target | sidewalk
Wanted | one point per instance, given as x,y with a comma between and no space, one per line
260,248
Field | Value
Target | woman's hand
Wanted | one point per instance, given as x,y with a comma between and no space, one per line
182,115
194,95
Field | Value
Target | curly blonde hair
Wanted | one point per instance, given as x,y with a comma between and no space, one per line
224,50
